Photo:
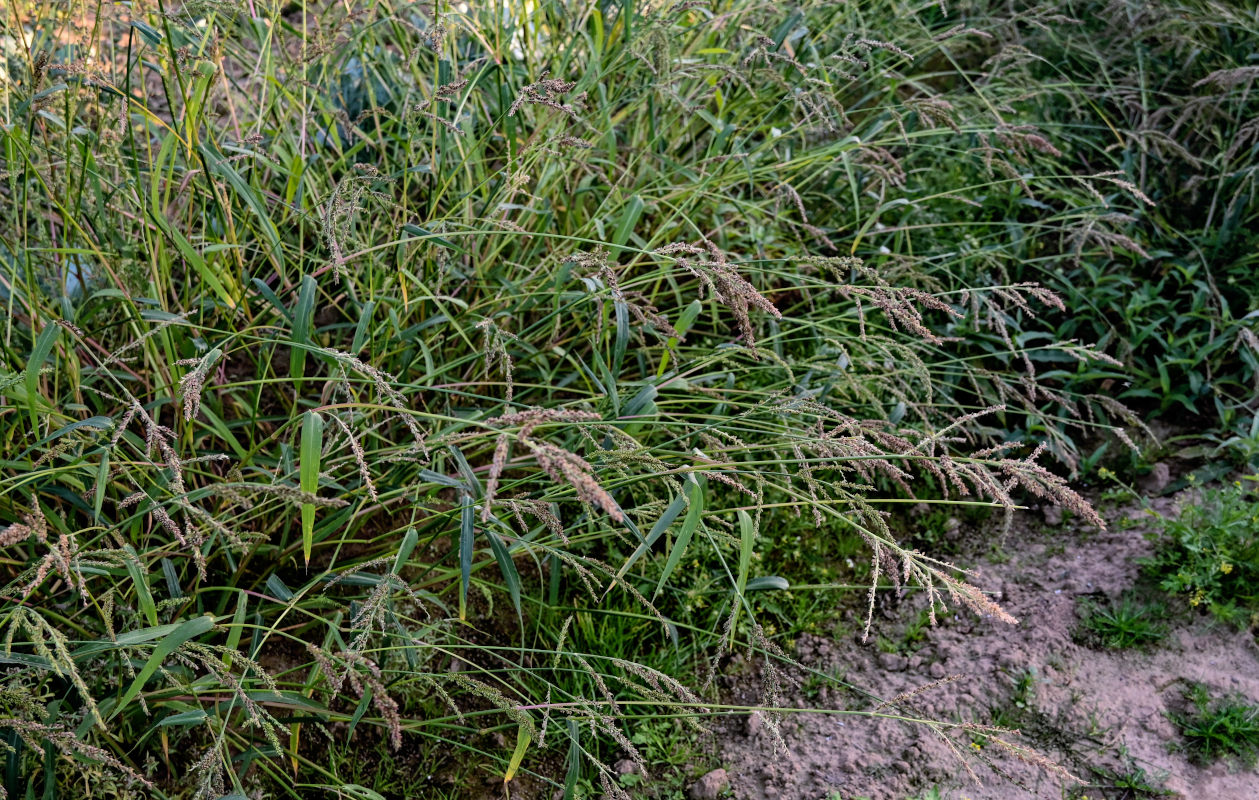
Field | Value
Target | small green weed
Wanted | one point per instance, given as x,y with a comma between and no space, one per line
886,645
668,749
916,630
815,681
1218,727
1128,783
1015,712
1122,624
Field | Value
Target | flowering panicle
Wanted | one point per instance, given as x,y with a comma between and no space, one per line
545,92
708,263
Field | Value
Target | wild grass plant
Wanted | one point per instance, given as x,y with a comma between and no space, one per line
431,377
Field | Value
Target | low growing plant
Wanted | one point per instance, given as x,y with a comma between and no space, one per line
1209,551
1123,623
1216,727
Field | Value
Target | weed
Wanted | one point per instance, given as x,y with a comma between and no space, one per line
1122,624
1217,727
1209,551
916,630
1128,783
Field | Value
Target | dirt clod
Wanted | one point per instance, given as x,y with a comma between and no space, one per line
710,786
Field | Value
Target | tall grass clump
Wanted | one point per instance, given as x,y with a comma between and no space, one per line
393,375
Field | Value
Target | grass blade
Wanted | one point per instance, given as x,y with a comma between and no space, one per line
182,633
506,566
671,512
311,447
39,354
303,317
467,540
143,595
523,738
409,541
747,539
694,513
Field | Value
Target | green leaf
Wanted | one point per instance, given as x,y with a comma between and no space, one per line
312,445
409,541
469,477
694,513
303,318
237,627
629,219
39,354
271,298
182,633
149,34
360,330
573,774
223,167
523,737
467,539
671,513
507,567
640,402
94,423
621,310
278,589
102,480
688,316
185,718
24,660
768,582
193,258
359,792
364,703
416,230
747,539
143,596
443,480
128,639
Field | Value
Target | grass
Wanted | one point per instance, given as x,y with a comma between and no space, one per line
1124,623
1128,783
1216,727
456,384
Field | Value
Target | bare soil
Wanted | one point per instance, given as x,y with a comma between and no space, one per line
1092,711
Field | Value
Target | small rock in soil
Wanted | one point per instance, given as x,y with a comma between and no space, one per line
1053,515
892,662
1158,479
709,786
626,766
754,723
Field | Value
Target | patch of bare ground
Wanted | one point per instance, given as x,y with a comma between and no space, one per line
1094,712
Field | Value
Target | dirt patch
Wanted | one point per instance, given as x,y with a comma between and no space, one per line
1095,712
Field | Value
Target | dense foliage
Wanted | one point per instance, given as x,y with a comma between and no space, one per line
455,381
